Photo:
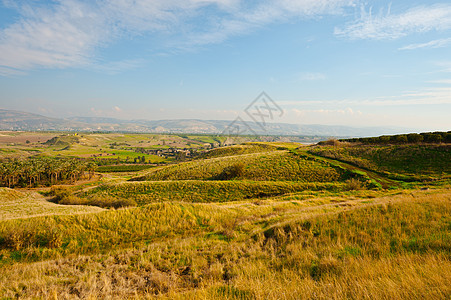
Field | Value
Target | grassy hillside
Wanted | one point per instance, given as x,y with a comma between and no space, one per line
270,166
239,149
15,204
200,191
416,162
393,247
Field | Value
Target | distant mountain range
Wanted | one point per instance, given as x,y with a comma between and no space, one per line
18,120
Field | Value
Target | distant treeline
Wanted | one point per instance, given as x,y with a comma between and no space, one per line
44,171
411,138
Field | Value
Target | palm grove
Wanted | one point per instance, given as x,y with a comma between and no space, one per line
44,171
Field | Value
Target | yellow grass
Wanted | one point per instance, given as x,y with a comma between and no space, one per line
391,247
27,204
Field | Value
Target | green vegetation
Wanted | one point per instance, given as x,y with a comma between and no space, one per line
268,166
63,140
402,162
411,138
239,149
340,220
201,191
42,170
122,168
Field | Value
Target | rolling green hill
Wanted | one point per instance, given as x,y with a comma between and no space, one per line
247,148
199,191
403,162
268,166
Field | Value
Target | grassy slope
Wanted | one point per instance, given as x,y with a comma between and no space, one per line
16,204
270,166
201,191
239,149
389,247
416,162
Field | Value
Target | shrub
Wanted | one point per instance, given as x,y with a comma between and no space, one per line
354,184
330,142
20,237
111,202
59,193
64,196
232,172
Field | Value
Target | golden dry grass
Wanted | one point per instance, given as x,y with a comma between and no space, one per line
17,205
344,247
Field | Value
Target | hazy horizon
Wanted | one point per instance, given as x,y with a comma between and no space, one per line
192,119
327,62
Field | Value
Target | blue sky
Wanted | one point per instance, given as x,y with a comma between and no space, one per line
334,62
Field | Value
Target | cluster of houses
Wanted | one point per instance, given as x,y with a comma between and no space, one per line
178,153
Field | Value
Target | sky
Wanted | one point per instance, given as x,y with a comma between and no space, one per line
331,62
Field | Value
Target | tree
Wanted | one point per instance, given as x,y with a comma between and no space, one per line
414,138
447,138
432,137
401,139
385,139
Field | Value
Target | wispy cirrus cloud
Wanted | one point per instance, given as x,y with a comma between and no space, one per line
432,44
390,26
69,33
53,37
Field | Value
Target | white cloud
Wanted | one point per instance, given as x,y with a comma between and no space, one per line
245,19
392,26
68,33
432,44
5,71
51,37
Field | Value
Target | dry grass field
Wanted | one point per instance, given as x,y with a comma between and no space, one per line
388,247
17,205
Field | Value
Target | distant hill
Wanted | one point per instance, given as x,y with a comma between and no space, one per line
18,120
